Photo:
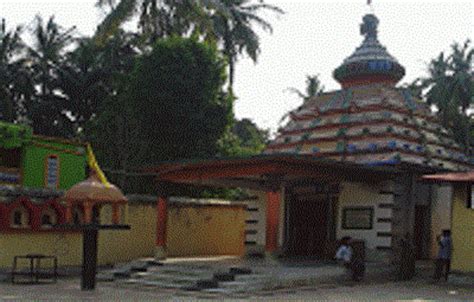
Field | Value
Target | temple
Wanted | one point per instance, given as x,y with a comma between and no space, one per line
347,163
370,120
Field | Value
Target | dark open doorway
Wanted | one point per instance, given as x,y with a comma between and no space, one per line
307,222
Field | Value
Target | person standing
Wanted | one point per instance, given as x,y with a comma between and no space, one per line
345,254
443,262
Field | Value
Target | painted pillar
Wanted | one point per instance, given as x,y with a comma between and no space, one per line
68,214
88,212
273,215
115,214
161,219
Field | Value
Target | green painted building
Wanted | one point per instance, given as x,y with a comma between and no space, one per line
33,161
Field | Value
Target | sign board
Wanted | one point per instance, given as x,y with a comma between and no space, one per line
357,218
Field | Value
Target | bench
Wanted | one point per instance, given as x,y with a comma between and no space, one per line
34,272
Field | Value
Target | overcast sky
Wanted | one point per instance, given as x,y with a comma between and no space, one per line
313,37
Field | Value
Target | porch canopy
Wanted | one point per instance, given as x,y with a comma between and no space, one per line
267,173
459,177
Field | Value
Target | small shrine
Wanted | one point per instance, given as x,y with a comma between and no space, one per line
370,120
90,195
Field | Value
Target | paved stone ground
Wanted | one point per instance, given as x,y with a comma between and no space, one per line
332,286
418,290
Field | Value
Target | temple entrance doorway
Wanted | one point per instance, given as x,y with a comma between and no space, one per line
307,221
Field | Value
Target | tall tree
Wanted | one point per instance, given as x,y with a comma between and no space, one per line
89,74
233,27
313,88
450,87
15,84
178,88
156,18
243,138
46,109
230,22
171,107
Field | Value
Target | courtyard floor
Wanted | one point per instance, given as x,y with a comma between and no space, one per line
330,287
69,290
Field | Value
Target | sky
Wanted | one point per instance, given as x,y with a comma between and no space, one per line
312,37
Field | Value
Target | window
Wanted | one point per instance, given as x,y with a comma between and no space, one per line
52,172
19,218
359,218
77,216
49,217
46,220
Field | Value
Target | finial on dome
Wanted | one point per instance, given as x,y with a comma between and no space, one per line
369,27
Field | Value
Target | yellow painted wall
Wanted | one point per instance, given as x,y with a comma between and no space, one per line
138,242
113,246
192,230
462,230
440,214
66,246
206,230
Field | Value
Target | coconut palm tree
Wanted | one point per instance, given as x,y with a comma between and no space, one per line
156,18
233,26
47,109
462,84
450,87
14,82
89,74
313,88
229,22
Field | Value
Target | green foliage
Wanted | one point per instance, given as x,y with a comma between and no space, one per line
45,109
177,89
450,87
14,136
171,107
244,138
15,84
228,22
313,88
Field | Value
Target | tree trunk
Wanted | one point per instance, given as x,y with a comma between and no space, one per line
231,73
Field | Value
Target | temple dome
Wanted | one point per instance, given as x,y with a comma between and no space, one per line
370,62
92,189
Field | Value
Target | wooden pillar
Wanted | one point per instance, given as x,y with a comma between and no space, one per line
273,217
115,214
161,223
87,212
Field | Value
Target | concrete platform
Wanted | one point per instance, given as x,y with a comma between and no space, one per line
266,274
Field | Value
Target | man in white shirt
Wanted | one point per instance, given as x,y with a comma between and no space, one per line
344,253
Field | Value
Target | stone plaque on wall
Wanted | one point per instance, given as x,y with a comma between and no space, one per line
357,218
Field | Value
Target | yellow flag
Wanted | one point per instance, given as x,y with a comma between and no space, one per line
92,162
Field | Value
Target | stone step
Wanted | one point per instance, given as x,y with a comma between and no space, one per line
224,277
238,286
254,278
105,277
176,279
163,284
207,283
240,271
178,271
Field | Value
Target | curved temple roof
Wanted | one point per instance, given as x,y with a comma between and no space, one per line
370,121
370,61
